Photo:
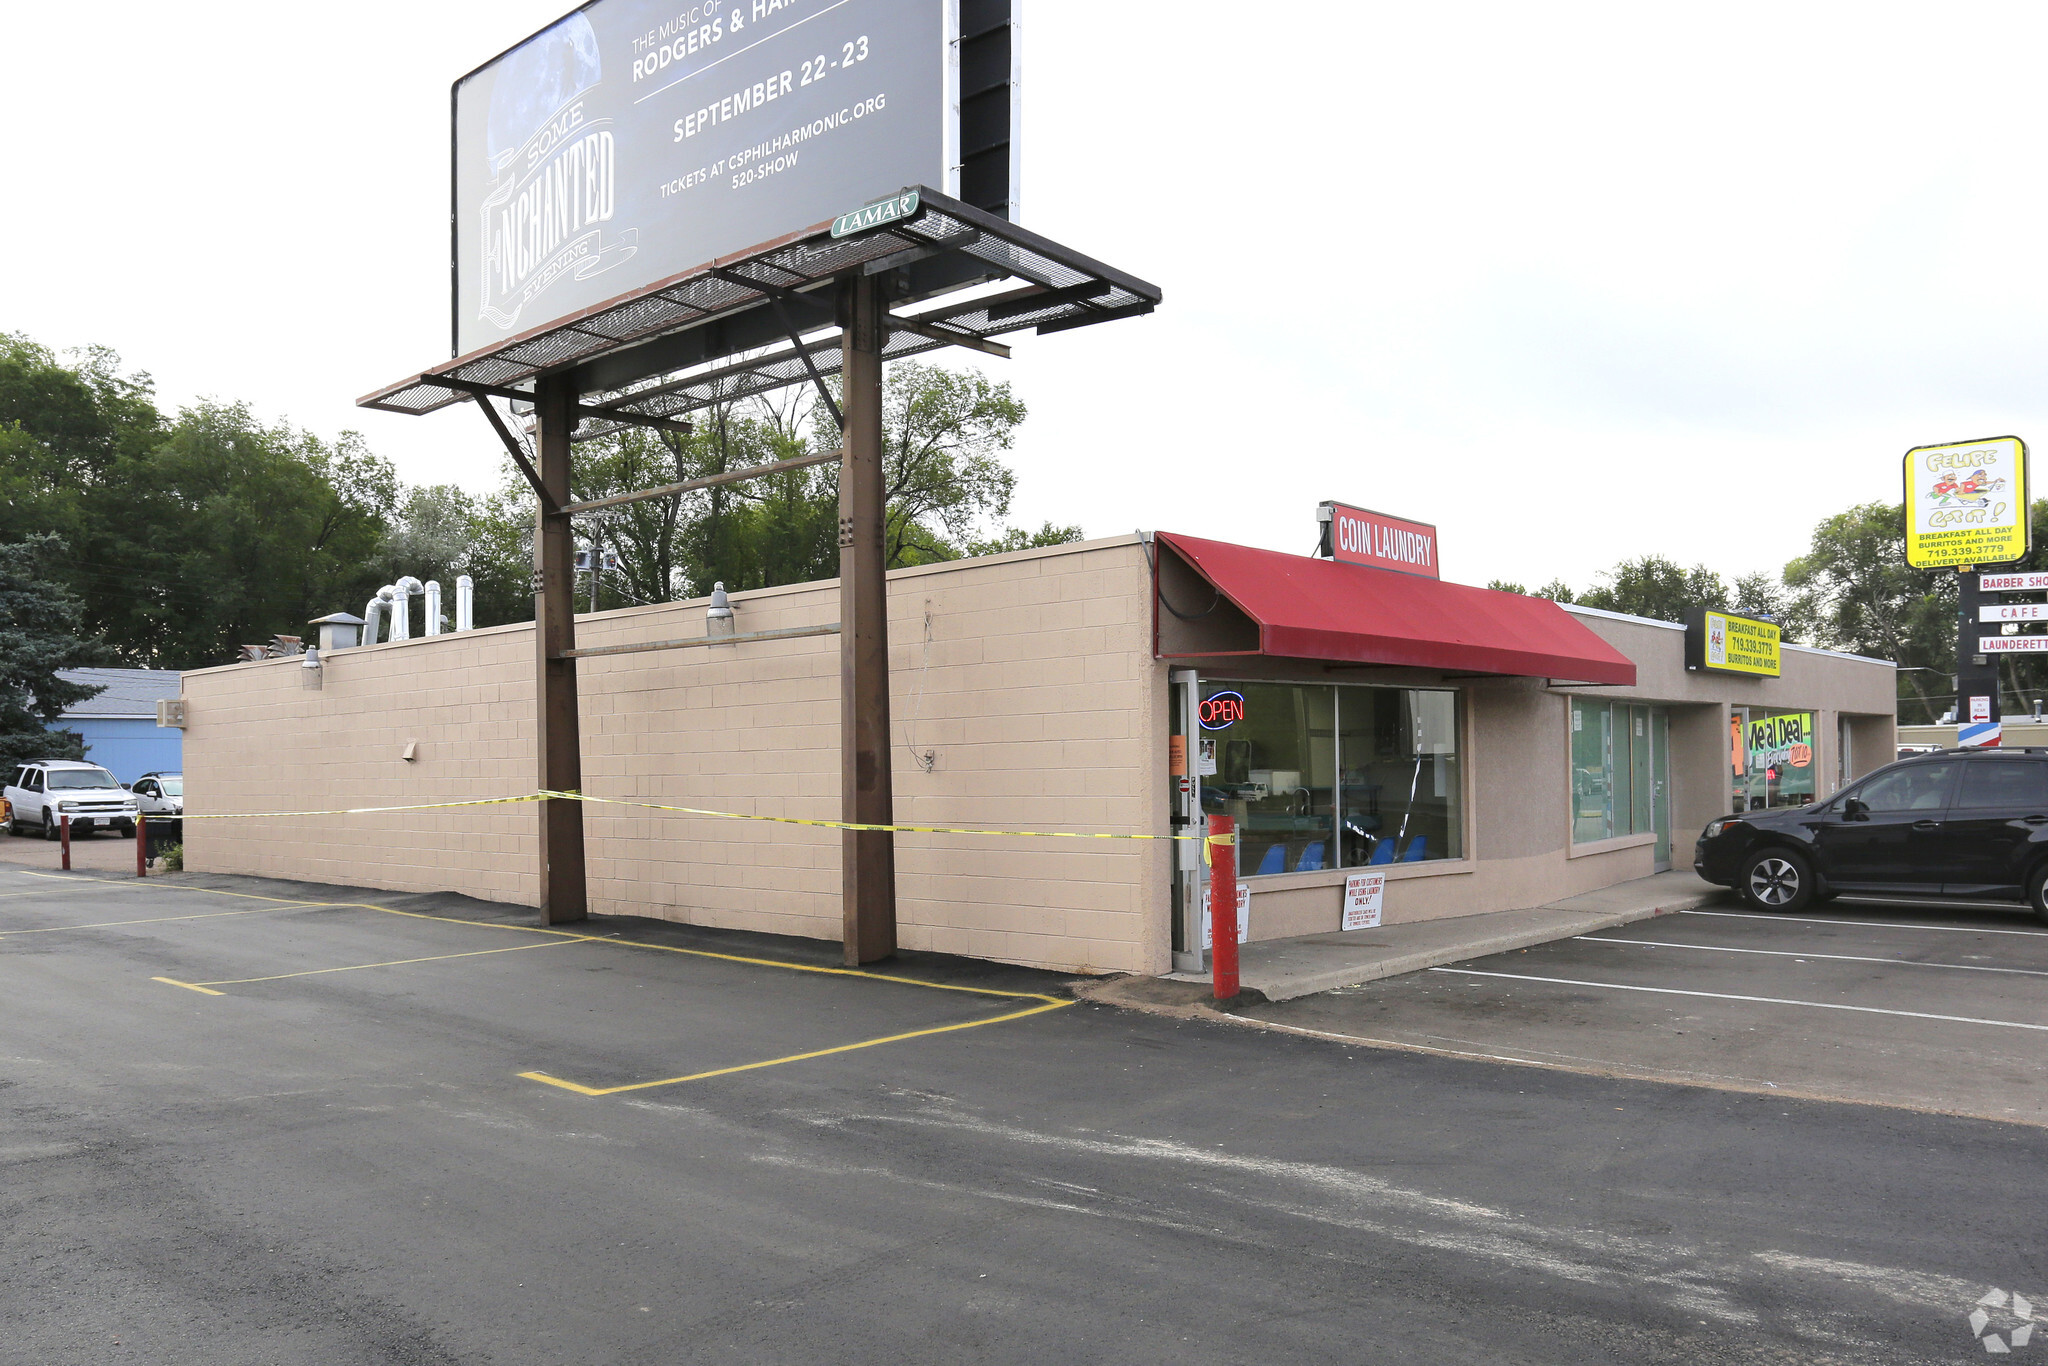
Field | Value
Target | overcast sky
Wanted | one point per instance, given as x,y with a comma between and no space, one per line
1574,281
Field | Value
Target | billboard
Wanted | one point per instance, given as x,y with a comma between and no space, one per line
1357,536
1966,503
635,139
1724,642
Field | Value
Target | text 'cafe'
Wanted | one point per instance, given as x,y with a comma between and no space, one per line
1393,747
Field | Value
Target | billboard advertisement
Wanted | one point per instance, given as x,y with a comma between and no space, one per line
635,139
1966,503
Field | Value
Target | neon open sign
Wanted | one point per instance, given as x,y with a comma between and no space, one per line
1222,710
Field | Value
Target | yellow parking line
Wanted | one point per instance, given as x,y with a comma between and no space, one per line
547,1080
188,986
148,920
393,963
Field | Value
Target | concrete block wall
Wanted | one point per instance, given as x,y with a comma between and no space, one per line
1023,696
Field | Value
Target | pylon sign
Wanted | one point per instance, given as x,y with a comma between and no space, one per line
1966,503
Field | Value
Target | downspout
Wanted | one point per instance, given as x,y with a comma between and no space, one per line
401,613
433,607
465,603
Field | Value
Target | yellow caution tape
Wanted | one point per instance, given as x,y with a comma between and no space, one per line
899,829
698,811
345,811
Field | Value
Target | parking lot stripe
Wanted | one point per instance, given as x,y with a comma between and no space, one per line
393,963
547,1080
188,986
149,920
1795,953
1863,924
1759,1000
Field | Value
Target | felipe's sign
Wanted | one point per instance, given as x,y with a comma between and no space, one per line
1966,503
1356,536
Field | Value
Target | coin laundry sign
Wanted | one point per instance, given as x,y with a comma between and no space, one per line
1356,536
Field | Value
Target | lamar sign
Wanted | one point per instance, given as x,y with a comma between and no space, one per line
1355,536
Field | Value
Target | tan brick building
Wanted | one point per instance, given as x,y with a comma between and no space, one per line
1030,692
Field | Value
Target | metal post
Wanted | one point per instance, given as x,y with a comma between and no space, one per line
64,840
868,857
142,846
1976,674
557,741
1223,904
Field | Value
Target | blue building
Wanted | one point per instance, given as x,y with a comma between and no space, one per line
119,725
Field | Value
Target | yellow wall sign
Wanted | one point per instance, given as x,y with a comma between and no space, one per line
1724,642
1966,503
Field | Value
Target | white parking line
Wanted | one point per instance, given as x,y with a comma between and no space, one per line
1863,924
1794,953
1759,1000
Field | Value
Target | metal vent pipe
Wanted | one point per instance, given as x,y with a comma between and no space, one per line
401,614
373,615
465,603
433,607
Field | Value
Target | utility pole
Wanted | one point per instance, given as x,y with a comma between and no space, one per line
563,897
868,857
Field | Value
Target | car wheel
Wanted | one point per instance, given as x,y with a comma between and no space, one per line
2037,893
50,831
1776,880
127,829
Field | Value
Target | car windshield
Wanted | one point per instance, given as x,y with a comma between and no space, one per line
60,778
173,787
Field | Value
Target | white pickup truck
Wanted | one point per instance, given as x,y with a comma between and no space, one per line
42,792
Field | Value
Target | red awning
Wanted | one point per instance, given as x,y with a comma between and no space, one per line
1319,609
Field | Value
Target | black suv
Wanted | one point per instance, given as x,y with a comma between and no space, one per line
1964,823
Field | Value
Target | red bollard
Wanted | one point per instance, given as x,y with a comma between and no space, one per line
64,839
1223,904
142,846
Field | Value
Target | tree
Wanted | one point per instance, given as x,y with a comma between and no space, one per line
39,634
1657,588
1853,591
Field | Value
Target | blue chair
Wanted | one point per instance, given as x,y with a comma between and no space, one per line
1417,850
1311,858
1382,852
1275,860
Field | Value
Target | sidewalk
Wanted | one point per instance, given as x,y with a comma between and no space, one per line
1282,969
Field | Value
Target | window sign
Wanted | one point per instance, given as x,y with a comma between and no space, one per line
1220,711
1774,760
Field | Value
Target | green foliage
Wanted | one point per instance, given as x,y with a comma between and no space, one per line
1657,588
39,634
173,858
1017,538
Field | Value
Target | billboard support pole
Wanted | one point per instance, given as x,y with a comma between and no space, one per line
1976,674
868,857
557,741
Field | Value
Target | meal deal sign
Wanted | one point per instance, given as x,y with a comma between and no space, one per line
1361,537
1966,503
637,139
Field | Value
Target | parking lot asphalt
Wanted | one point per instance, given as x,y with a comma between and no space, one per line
101,852
251,1122
1936,1007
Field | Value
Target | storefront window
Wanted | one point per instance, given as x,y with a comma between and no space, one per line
1771,755
1332,776
1614,770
